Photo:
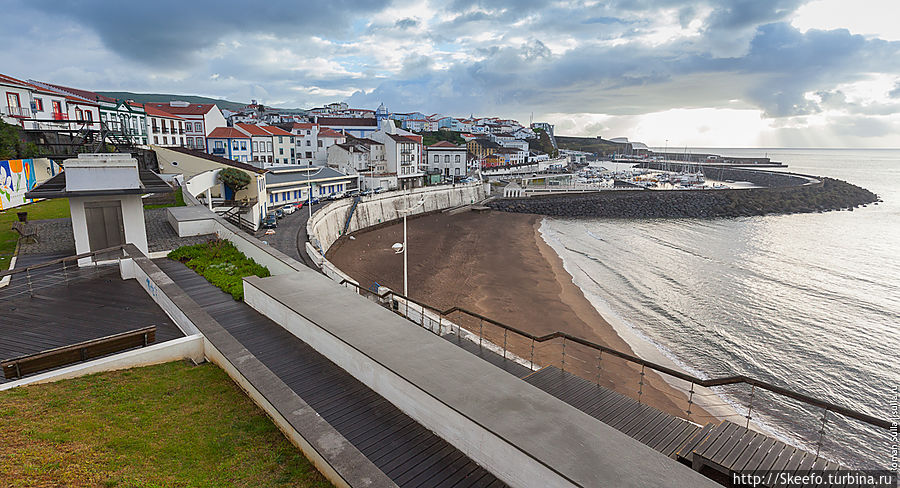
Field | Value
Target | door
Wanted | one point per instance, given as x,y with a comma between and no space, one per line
104,224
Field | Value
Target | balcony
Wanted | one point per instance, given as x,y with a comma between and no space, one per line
218,151
60,116
18,112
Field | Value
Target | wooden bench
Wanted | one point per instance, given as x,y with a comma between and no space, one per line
24,232
82,351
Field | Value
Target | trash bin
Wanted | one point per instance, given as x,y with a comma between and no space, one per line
23,216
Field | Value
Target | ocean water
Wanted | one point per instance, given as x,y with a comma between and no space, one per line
810,302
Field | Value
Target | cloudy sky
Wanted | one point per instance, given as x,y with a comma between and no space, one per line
726,73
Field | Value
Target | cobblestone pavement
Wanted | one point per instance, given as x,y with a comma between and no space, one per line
55,235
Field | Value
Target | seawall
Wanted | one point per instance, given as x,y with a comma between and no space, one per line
327,225
789,194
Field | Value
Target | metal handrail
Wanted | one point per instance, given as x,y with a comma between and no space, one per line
61,260
727,380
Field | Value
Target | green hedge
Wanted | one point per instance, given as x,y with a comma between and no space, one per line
221,264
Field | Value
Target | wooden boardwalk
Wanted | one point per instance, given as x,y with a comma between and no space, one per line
411,455
94,303
725,447
661,431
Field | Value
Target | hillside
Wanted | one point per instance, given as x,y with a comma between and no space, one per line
588,144
164,97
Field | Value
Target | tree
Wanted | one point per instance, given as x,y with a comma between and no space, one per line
13,145
234,178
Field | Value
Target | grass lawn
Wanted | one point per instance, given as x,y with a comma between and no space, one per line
221,264
45,209
166,425
179,201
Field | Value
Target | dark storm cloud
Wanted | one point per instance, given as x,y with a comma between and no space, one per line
171,32
619,57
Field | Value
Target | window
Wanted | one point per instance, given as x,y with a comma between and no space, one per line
57,106
308,155
308,133
308,143
280,140
457,158
255,146
281,150
79,115
320,143
446,159
437,159
12,100
38,104
199,127
219,145
243,145
269,146
155,139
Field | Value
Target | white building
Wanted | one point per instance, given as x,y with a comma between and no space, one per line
402,155
447,158
261,146
200,119
364,158
283,148
24,100
164,129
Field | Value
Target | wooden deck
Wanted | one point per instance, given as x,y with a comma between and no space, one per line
732,448
654,428
94,303
411,455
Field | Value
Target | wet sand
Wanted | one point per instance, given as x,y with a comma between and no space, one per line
498,265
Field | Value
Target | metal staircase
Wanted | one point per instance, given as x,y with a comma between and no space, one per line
350,214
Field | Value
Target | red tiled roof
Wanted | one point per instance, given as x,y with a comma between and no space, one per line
326,132
253,130
155,112
227,133
302,125
445,144
276,131
26,85
192,109
86,94
347,121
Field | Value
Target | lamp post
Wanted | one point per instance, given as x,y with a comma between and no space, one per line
309,191
401,247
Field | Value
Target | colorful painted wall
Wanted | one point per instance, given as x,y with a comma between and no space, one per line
18,176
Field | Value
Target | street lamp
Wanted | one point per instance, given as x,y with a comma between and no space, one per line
401,247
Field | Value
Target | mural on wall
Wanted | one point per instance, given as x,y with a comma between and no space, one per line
17,176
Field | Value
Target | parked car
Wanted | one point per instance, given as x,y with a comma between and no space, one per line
314,200
270,222
379,190
289,209
298,206
279,213
368,192
353,193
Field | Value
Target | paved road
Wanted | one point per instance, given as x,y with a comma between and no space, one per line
290,235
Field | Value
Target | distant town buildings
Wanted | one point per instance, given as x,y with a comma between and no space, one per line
383,149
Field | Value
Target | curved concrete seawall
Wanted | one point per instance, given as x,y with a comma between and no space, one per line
327,225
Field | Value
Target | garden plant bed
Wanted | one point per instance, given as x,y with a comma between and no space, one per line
221,264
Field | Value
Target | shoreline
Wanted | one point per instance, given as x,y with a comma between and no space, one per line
500,265
640,345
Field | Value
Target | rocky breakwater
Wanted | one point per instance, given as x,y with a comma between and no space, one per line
830,194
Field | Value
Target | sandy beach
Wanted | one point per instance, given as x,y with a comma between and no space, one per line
498,265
